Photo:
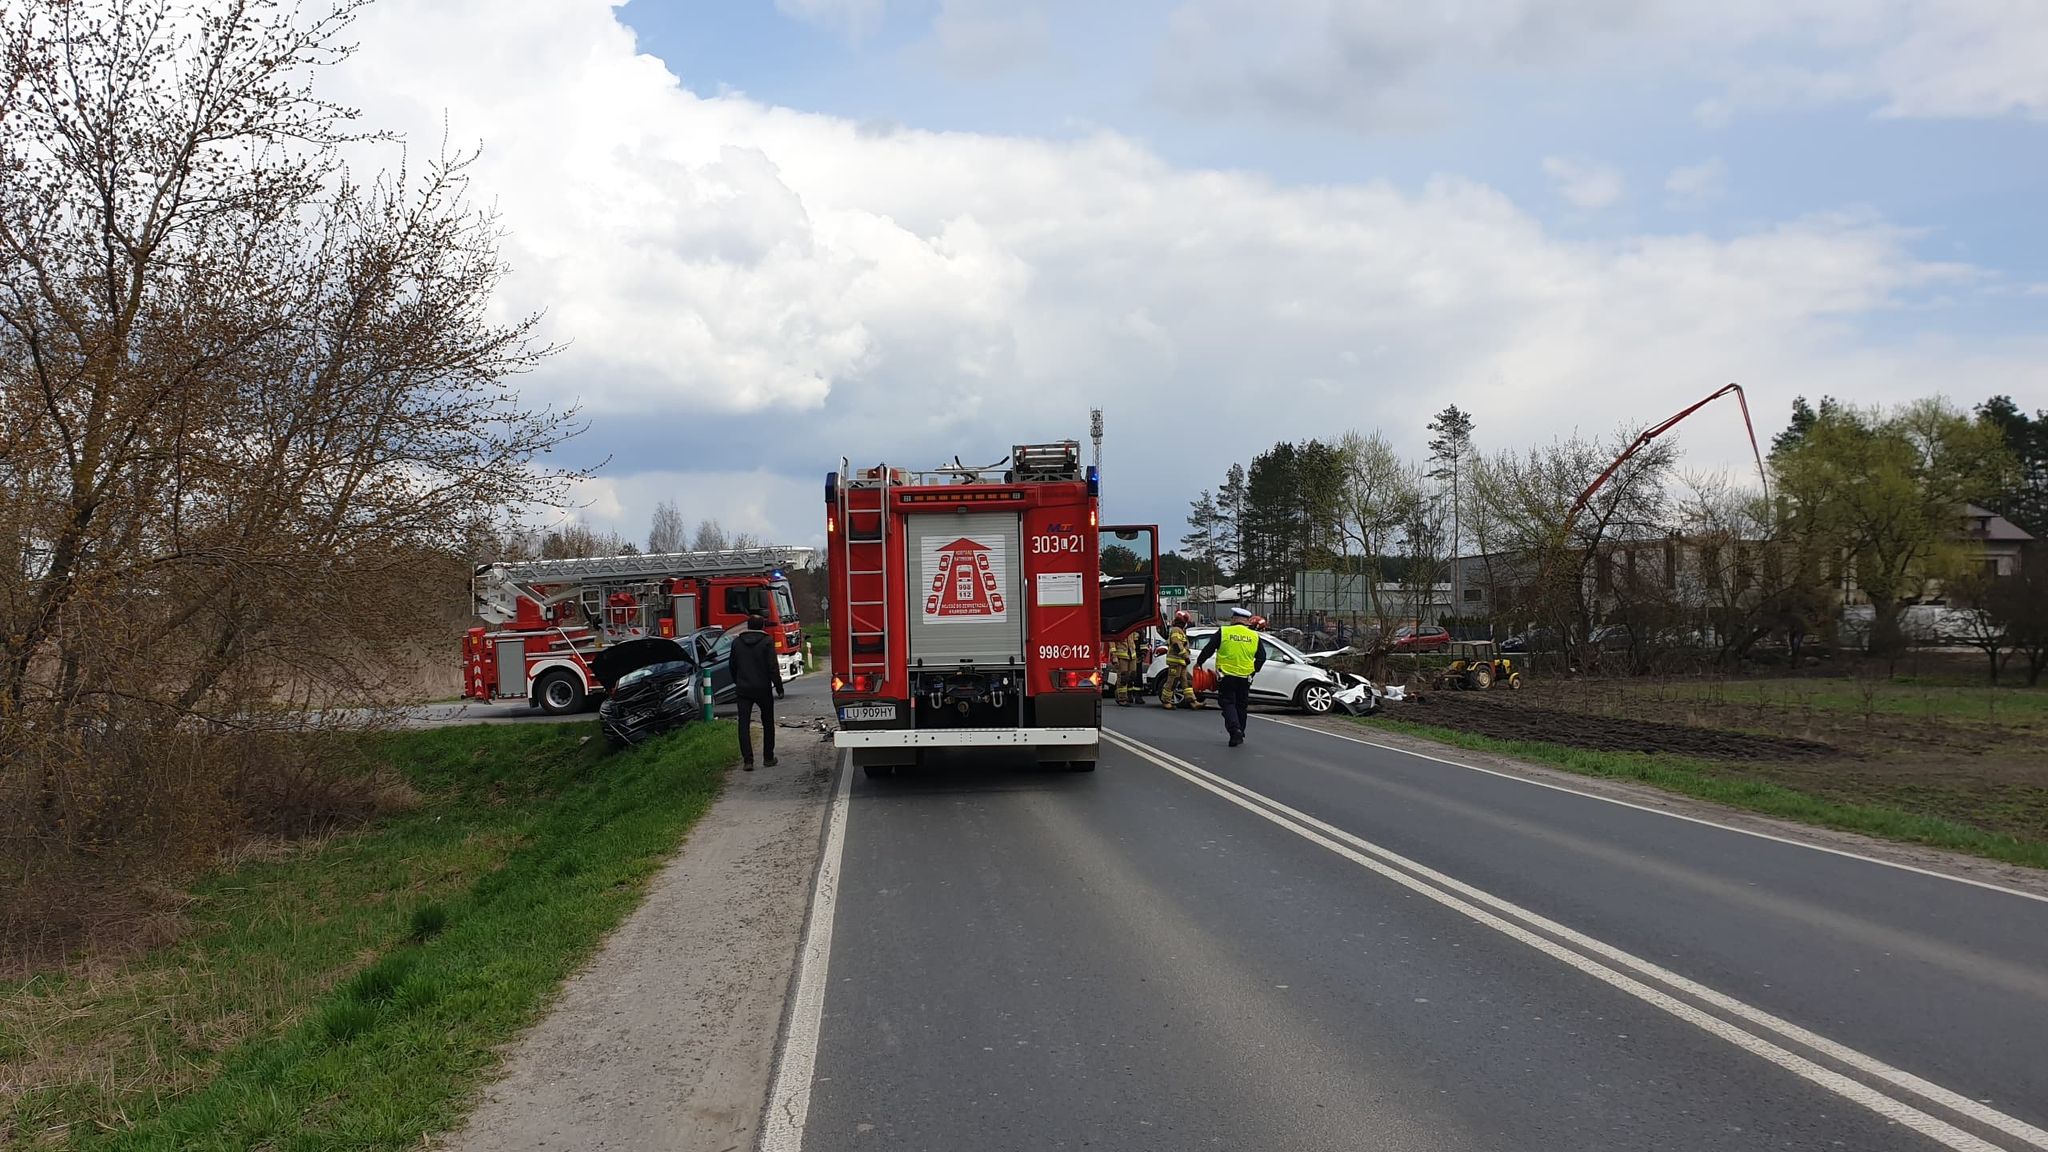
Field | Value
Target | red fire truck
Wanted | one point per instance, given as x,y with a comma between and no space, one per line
553,615
970,606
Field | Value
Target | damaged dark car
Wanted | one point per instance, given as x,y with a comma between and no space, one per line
650,687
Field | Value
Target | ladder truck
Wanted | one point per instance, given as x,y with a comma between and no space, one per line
550,617
971,606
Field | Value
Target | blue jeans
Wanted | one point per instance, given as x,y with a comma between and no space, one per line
1234,695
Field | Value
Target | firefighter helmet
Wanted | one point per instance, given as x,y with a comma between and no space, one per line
1182,618
1258,623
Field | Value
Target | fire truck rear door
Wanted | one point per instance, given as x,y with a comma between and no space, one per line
962,573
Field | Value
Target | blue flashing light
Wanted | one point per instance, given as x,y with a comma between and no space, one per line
1094,481
777,574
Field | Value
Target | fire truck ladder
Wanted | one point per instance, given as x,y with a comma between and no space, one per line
867,566
496,588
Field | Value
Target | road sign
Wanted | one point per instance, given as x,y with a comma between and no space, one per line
1173,591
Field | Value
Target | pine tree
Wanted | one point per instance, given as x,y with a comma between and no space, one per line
1449,451
2025,500
1231,543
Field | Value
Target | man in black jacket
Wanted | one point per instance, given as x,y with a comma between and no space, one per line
756,673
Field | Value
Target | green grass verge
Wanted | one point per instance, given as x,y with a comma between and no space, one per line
1737,788
353,994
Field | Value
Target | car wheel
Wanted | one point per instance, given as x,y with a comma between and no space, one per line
559,693
1316,698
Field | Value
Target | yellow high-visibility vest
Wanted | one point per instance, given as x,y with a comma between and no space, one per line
1237,651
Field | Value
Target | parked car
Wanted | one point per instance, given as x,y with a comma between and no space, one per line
1534,640
650,687
1421,638
1290,677
1610,638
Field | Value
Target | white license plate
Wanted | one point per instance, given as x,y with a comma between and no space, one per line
868,712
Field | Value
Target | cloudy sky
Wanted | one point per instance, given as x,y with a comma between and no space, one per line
776,232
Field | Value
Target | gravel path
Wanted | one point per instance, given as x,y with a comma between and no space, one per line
667,1040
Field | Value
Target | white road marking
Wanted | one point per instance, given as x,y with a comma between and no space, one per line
1355,849
1555,787
789,1101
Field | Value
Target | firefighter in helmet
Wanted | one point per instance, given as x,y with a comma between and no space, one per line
1179,684
1124,654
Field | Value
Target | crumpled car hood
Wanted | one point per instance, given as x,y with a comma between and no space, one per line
616,661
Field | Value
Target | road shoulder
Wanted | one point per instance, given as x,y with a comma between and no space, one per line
1956,864
667,1040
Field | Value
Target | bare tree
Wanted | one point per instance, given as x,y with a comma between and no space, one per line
1756,572
710,537
1978,620
2019,603
1425,551
1565,553
665,533
577,541
248,405
1380,497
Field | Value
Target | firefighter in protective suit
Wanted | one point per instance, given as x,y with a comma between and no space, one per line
1123,655
1179,684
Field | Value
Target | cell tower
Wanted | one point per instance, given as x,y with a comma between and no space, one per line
1095,434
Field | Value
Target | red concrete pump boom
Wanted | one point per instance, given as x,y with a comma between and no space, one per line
1652,433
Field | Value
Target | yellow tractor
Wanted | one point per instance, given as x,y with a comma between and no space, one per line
1475,665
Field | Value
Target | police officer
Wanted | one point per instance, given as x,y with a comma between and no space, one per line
1125,655
1178,683
1239,656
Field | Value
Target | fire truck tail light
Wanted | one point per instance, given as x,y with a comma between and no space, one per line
858,682
1077,678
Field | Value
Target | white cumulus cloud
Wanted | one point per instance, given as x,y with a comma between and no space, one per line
750,291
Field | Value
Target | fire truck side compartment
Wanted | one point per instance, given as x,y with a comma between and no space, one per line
511,668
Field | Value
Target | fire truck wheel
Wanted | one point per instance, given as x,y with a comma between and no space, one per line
559,693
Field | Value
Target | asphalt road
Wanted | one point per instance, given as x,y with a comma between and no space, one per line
1417,956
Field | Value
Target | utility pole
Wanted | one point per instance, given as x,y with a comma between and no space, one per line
1095,434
